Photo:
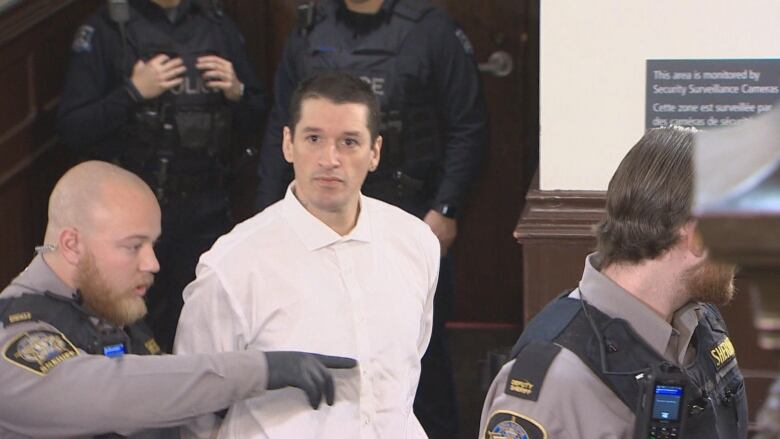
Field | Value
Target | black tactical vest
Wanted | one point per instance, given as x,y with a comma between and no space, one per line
714,373
188,126
411,139
76,324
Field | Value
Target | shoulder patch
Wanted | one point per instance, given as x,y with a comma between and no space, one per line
531,365
82,42
722,353
464,41
39,351
509,425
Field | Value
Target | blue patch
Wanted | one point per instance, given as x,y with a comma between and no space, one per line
39,351
82,42
465,42
508,425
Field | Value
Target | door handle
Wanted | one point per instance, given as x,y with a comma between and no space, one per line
499,64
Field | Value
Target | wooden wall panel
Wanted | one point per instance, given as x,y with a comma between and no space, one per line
34,40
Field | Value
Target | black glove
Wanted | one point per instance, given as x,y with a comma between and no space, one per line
305,371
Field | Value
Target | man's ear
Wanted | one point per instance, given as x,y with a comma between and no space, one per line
692,238
287,144
70,245
376,150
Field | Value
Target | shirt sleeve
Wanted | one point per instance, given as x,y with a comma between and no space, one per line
208,324
96,98
274,173
572,403
460,104
81,394
431,248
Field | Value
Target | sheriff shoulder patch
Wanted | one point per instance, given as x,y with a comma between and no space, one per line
82,42
527,374
39,351
508,425
722,353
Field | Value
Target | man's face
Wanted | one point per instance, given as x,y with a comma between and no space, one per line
118,263
711,282
331,152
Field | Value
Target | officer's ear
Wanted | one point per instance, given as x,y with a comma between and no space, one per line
70,245
376,149
287,144
692,239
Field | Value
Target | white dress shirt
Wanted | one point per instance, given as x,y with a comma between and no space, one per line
283,280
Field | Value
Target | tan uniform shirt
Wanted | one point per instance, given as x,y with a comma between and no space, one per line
82,395
573,402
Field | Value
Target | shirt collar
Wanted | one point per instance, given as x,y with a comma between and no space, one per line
38,276
611,299
314,233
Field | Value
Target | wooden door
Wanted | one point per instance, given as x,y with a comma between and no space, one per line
489,264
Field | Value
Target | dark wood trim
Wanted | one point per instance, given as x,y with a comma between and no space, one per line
556,215
22,17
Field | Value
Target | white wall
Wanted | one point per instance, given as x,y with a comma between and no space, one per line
592,78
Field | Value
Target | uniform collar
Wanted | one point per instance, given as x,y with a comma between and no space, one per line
39,277
611,299
314,233
152,9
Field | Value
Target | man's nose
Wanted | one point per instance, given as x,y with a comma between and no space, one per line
149,263
330,155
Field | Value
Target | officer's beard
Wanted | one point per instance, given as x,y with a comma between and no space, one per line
118,307
711,282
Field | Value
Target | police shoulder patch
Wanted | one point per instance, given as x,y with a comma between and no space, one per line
504,424
464,41
82,42
39,351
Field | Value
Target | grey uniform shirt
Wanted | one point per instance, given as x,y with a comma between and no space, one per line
84,394
573,402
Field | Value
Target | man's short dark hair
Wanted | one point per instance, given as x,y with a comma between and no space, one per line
339,88
649,197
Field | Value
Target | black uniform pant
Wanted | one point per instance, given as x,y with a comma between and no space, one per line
190,225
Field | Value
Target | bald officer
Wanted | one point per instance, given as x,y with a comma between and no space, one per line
646,302
70,337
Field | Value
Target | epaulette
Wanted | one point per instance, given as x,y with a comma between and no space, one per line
531,365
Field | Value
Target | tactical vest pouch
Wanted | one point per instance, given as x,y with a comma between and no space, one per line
203,131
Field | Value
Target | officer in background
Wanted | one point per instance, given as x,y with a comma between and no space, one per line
434,126
646,302
72,337
164,88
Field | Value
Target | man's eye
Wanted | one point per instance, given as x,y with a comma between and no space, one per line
351,142
313,138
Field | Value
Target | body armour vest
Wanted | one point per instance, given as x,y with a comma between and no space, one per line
719,407
189,125
76,324
411,139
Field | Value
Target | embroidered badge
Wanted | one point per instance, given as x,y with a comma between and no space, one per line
509,425
723,353
465,42
82,42
39,351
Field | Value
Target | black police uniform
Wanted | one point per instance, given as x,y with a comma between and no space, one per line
179,142
434,126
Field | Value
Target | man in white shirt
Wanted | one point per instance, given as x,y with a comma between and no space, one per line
326,270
